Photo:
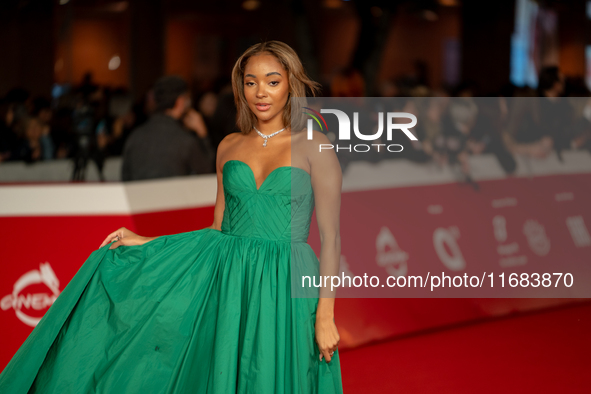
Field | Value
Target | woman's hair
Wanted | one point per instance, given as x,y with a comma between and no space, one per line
298,83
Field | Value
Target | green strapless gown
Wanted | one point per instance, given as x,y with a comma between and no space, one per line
205,311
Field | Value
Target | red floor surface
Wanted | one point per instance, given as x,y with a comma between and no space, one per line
546,351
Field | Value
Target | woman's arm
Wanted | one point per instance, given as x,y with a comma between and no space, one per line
128,237
326,176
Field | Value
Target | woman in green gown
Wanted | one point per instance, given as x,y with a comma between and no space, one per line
211,310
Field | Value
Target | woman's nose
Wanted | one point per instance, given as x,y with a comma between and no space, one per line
261,92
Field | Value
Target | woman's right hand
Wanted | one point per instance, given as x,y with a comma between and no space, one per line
123,237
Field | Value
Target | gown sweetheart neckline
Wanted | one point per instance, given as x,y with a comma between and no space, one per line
268,176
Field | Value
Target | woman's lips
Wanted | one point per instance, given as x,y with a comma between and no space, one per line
263,107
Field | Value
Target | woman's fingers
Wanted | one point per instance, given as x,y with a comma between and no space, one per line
332,349
115,245
110,238
326,354
107,240
327,345
118,233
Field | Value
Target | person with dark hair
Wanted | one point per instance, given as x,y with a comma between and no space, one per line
537,126
550,82
34,143
555,113
8,136
223,120
163,146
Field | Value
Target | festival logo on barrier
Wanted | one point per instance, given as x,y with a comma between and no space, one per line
344,266
389,255
23,302
447,248
508,252
536,237
578,231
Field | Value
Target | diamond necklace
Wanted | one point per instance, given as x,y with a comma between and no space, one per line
267,136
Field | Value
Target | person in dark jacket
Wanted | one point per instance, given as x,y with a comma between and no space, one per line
173,142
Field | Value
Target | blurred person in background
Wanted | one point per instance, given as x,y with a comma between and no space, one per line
349,82
413,150
20,101
116,124
88,107
42,110
44,113
388,88
579,98
429,111
451,143
61,131
34,141
537,126
471,127
14,109
556,113
174,140
207,103
582,122
8,136
223,120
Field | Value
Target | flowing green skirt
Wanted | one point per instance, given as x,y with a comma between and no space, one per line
194,312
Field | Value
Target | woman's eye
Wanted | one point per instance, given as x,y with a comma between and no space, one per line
274,83
249,83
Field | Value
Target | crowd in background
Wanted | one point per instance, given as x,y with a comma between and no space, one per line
92,122
456,123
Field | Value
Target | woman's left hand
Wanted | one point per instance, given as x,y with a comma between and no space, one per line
327,337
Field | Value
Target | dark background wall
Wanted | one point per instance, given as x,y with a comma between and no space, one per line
45,42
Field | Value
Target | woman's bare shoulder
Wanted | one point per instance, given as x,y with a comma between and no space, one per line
228,142
231,138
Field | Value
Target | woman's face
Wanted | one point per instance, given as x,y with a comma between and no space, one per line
266,87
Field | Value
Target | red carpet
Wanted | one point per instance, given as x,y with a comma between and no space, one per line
546,351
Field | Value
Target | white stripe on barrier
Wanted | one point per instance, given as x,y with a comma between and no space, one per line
200,190
108,198
78,199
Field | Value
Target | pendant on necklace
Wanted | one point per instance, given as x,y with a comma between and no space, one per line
266,137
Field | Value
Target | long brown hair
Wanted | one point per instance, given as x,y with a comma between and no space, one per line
299,82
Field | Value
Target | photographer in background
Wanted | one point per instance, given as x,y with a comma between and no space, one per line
174,140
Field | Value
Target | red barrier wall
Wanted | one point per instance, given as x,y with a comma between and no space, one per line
34,231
